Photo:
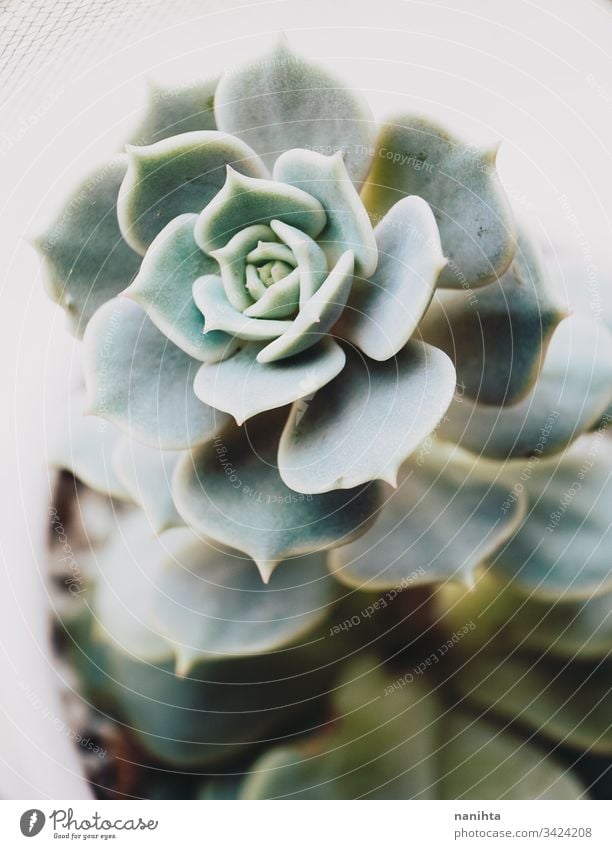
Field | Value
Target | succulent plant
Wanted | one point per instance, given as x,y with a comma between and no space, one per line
320,353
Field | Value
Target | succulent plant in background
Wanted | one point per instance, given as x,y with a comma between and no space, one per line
318,357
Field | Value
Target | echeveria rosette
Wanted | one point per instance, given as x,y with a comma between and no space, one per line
264,290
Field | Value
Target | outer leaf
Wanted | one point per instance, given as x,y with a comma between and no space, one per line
174,110
146,474
163,288
317,315
125,591
87,260
143,383
243,387
562,546
383,312
221,708
415,156
230,490
177,175
389,744
444,518
244,201
499,336
348,225
212,605
372,416
284,101
563,702
571,394
567,628
85,446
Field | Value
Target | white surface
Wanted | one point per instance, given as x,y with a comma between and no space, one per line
536,75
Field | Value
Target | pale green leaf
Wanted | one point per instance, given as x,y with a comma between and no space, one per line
140,381
367,421
444,518
177,175
283,101
244,387
230,491
416,156
383,312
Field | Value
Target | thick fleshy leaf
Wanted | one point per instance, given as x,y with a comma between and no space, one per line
174,110
571,394
400,743
87,261
569,703
137,379
178,595
311,261
211,605
383,312
567,628
232,263
215,711
316,316
164,288
348,225
445,516
498,336
230,491
415,156
125,589
146,474
211,299
244,387
284,102
244,201
177,175
85,446
222,709
562,546
366,422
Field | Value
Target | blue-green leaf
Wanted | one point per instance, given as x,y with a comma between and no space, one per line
316,316
244,387
446,515
367,421
571,394
498,336
231,491
415,156
87,261
140,381
562,546
244,201
284,101
348,225
164,289
177,175
383,312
